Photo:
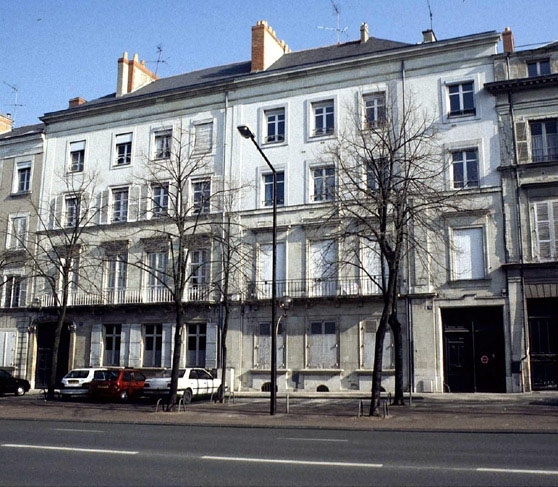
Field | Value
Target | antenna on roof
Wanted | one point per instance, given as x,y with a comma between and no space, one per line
429,13
15,104
337,29
159,58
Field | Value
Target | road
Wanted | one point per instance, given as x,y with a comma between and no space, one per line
68,453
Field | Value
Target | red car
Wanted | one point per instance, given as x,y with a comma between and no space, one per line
122,384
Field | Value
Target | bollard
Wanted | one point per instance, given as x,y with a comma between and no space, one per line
288,403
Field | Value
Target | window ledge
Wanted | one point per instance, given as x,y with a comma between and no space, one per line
280,370
320,371
18,194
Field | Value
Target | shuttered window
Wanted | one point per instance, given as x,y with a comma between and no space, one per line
546,230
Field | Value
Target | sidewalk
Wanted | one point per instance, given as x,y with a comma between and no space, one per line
532,412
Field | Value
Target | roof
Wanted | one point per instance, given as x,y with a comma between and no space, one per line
23,131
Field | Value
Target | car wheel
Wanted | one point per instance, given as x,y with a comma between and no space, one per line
187,396
124,396
20,391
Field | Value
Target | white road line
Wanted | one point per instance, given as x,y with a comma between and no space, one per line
315,439
77,430
292,462
63,448
518,470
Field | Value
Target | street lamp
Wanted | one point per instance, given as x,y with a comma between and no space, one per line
248,134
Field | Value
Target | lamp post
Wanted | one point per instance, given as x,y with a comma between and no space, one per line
248,134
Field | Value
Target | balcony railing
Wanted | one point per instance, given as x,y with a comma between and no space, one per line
257,290
314,288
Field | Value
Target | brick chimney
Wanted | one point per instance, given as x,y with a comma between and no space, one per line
364,33
266,48
5,123
132,75
508,41
76,102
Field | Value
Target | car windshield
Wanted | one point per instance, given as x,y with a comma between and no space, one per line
77,374
4,374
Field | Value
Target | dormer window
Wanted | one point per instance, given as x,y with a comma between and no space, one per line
540,67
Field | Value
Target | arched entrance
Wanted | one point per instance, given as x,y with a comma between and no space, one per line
45,345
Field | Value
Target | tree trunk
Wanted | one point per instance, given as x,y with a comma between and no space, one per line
221,397
172,400
398,399
375,403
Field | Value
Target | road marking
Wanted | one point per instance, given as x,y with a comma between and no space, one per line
293,462
70,430
63,448
314,439
517,470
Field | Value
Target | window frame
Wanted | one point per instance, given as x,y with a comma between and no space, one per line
322,129
23,172
466,182
153,355
549,153
208,146
123,207
157,209
329,190
14,290
72,211
17,235
123,141
201,198
538,64
76,148
164,150
280,136
547,227
267,187
111,356
379,109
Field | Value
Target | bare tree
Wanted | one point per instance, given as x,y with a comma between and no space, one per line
391,195
180,195
55,249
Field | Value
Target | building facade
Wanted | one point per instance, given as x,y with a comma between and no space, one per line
462,325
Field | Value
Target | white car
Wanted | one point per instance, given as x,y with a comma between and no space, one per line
76,382
192,382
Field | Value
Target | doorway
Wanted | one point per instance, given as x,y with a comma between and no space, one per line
474,358
45,345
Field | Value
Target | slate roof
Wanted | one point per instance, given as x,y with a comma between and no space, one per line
23,131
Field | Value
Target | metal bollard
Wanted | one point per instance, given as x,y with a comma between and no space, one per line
288,403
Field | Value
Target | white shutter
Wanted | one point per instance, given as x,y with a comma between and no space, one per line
203,141
8,344
543,229
168,342
95,358
211,346
134,195
134,344
468,253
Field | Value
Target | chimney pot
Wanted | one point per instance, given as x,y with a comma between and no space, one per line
428,36
75,102
364,33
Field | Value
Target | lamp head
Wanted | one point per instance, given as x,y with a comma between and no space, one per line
245,131
286,303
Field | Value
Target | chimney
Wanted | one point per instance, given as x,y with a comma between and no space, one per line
507,38
428,36
76,102
266,48
132,75
5,123
364,33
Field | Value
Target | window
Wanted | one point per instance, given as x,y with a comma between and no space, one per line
323,179
203,137
546,230
201,194
544,140
17,232
72,204
461,99
120,205
322,345
324,120
15,291
160,194
275,122
368,337
22,183
378,171
199,274
153,345
265,268
268,188
116,270
163,142
467,253
123,149
323,268
113,334
262,347
197,345
538,68
465,165
157,275
77,156
374,109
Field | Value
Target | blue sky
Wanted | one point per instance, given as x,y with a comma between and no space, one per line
54,50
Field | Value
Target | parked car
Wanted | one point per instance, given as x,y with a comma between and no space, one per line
120,384
192,382
12,385
76,382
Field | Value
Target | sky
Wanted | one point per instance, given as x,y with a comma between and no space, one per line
55,50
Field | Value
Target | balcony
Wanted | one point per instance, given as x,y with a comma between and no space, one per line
315,288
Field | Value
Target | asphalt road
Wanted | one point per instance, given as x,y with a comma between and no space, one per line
70,453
